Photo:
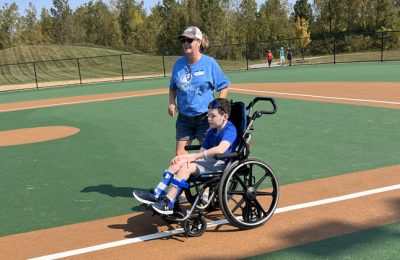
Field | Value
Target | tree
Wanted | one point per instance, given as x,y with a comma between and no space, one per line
302,9
9,19
248,31
206,15
98,24
303,34
248,20
174,22
131,17
62,27
29,28
150,31
274,19
386,15
45,26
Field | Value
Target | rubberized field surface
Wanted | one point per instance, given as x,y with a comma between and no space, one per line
121,146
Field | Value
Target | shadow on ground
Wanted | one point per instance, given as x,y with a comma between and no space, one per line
110,190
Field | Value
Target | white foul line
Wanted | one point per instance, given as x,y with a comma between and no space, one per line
83,101
211,224
314,96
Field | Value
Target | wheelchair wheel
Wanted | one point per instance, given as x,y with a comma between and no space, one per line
195,225
249,193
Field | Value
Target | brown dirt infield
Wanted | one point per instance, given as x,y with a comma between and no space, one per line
35,134
282,231
379,94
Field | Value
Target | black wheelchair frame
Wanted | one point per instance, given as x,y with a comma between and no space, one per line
247,191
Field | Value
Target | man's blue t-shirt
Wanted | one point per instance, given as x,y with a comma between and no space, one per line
282,53
195,83
227,133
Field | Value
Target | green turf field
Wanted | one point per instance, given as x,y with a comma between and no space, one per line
376,243
126,144
360,72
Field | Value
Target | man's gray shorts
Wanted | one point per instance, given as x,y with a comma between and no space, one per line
210,165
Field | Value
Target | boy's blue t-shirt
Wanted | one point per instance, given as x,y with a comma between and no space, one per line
227,133
195,83
282,52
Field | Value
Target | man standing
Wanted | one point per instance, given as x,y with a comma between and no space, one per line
269,57
282,55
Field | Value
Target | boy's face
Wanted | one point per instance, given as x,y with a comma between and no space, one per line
215,119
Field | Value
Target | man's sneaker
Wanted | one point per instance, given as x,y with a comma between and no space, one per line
145,196
162,206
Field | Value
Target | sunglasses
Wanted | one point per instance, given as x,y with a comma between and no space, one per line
215,104
184,40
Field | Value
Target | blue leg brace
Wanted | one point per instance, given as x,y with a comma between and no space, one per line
179,184
162,187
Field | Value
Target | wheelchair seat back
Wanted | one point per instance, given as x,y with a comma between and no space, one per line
238,117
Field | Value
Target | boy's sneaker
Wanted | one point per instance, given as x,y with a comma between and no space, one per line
145,196
162,206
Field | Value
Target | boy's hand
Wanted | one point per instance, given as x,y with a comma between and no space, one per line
180,158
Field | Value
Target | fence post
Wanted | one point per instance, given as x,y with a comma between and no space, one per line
79,71
334,49
122,68
290,49
163,61
382,47
34,70
247,58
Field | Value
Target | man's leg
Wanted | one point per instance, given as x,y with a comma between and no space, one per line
180,146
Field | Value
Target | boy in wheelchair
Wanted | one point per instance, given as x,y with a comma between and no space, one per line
221,138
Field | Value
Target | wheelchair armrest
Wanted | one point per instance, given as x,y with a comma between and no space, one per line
192,147
227,156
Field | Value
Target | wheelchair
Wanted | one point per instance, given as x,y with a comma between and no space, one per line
246,192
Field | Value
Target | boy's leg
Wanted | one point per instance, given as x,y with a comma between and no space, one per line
163,185
165,206
151,196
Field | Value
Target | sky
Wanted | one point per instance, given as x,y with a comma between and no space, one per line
73,4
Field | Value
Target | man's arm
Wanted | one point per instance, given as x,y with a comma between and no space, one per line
172,104
223,93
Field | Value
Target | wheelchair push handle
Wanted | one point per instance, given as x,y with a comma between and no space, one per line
258,113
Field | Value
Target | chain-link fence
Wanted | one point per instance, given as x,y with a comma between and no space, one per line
338,48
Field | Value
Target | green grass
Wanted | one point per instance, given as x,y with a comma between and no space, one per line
64,67
360,72
376,243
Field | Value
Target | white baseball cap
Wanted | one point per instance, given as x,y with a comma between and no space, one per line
192,32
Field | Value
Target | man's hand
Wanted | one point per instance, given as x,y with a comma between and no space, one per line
171,109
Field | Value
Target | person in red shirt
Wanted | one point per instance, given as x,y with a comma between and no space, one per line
269,57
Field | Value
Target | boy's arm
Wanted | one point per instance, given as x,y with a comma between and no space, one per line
203,153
